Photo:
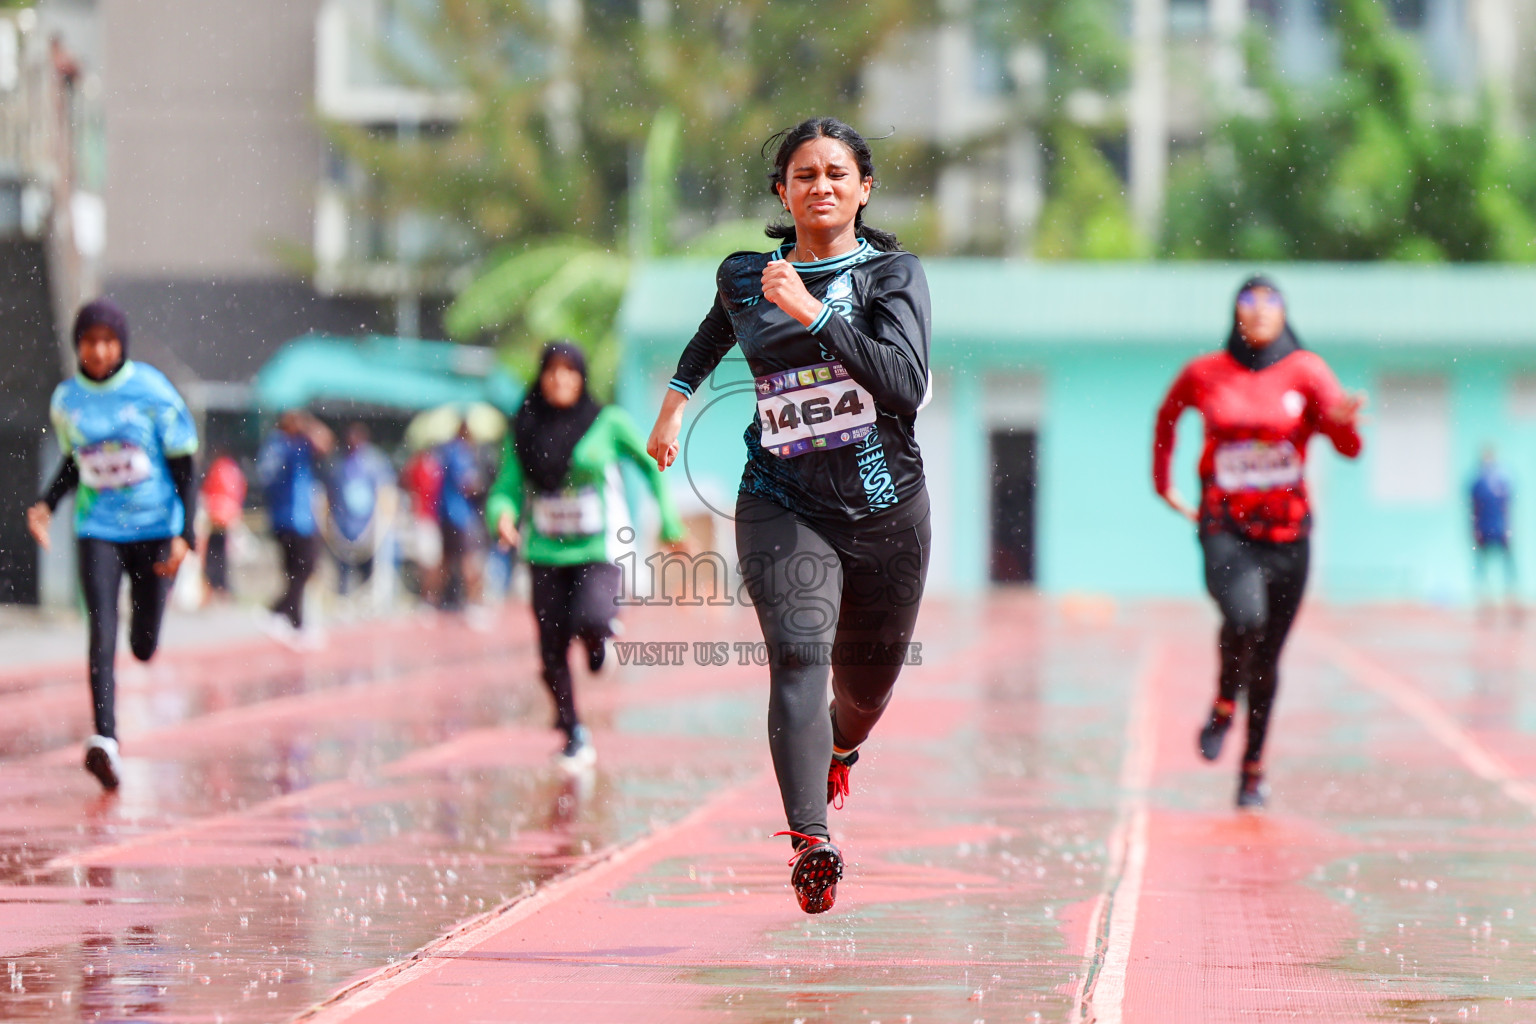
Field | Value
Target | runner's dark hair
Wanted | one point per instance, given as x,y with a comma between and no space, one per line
791,139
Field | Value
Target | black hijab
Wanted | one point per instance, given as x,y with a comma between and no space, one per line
103,313
544,437
1255,357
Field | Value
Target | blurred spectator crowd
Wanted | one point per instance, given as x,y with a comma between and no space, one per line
361,527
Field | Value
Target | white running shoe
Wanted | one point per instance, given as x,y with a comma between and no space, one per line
480,618
579,753
310,638
280,629
102,761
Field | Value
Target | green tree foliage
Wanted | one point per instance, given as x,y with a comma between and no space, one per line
564,172
566,286
561,104
1374,166
1081,53
1086,216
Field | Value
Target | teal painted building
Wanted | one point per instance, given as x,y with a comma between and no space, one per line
1047,377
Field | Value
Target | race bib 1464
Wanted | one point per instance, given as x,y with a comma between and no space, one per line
1257,465
812,408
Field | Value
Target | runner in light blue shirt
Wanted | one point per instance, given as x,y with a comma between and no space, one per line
123,432
128,441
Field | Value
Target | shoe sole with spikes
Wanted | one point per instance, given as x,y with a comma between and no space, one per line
817,871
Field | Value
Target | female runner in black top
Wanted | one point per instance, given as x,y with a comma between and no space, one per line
832,515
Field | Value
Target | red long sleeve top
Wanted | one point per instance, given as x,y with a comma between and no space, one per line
1257,425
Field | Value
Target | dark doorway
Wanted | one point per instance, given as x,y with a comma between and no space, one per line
1013,506
27,376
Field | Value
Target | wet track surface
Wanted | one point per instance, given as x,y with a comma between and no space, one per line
1031,835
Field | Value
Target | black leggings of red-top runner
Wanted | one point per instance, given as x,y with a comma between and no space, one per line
832,602
1258,587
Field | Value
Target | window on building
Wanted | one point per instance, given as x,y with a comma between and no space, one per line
1522,397
1410,445
1188,17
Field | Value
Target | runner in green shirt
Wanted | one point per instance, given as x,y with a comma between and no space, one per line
561,468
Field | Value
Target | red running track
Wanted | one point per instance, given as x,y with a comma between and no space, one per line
375,834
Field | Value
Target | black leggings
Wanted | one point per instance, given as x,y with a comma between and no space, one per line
216,562
1258,587
838,601
102,566
571,601
298,566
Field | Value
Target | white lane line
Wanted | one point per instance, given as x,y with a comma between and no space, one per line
1436,720
1112,928
1106,1001
374,988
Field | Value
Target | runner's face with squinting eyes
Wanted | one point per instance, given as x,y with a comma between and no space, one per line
822,188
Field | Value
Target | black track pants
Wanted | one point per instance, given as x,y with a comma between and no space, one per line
298,566
571,601
216,562
1258,587
832,601
103,564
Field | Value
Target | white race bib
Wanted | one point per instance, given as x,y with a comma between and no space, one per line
569,514
112,465
1257,465
813,408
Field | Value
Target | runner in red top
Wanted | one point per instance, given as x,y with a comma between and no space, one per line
224,501
1262,399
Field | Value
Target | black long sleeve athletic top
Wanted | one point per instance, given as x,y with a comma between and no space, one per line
876,324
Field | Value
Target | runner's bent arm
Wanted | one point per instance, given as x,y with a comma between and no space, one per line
893,365
626,438
1180,397
1330,396
703,353
68,476
506,494
64,482
178,440
184,477
714,338
40,513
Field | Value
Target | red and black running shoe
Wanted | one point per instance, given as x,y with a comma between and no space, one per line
1252,790
1215,729
837,778
817,867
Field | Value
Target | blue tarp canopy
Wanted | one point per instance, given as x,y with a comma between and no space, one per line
398,373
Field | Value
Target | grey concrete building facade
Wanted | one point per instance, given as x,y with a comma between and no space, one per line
215,156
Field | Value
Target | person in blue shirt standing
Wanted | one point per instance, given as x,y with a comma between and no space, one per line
464,488
1491,495
128,442
362,507
286,467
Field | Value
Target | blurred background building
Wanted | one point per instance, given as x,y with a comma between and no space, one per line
1037,442
245,177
